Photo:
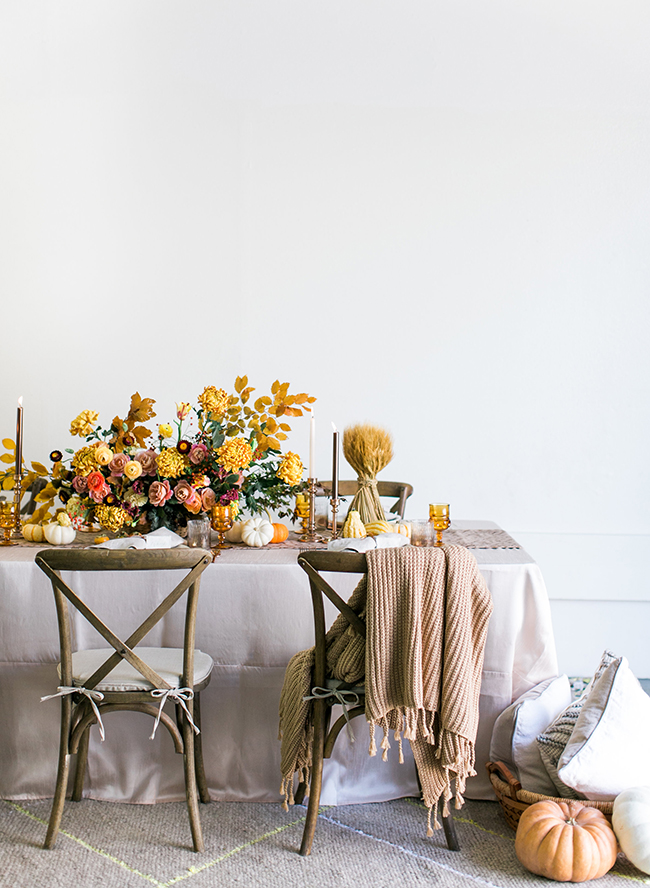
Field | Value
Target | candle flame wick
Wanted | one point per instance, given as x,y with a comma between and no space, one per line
334,429
20,401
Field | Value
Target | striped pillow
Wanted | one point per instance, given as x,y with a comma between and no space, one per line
552,742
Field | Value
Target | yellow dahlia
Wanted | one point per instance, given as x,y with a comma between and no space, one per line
112,518
83,424
85,461
170,463
235,454
214,400
290,469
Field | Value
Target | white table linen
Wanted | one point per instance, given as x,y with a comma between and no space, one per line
254,614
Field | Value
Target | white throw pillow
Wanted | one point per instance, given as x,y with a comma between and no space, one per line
609,749
515,731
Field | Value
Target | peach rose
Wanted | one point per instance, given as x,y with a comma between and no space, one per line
103,454
208,498
159,493
116,465
147,459
194,504
133,469
184,492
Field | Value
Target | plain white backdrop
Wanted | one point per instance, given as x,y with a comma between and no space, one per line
431,215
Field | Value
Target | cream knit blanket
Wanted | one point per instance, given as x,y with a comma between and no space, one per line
427,612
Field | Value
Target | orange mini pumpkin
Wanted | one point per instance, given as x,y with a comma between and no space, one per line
565,841
280,533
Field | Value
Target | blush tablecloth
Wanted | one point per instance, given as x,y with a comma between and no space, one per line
254,614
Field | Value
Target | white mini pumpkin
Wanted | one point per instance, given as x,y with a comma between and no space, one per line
257,532
56,535
33,533
234,534
631,822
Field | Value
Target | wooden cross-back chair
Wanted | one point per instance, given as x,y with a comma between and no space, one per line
399,490
96,682
315,563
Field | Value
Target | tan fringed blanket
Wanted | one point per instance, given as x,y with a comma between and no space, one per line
417,603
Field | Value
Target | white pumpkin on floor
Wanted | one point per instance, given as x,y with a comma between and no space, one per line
257,532
631,822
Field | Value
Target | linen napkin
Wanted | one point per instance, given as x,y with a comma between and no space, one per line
163,538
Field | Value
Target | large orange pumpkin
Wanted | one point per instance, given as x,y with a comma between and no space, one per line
280,533
565,841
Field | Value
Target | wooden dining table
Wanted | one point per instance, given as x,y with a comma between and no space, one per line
254,614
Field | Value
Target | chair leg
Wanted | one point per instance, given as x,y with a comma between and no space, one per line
80,772
316,778
450,830
62,775
190,786
202,783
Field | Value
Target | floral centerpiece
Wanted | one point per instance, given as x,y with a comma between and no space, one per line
224,450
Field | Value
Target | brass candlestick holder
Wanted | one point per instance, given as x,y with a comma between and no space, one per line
334,503
310,535
17,532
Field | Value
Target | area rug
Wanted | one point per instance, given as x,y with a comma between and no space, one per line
383,845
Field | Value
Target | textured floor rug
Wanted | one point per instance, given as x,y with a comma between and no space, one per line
134,846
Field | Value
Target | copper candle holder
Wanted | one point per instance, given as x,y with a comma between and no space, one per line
310,535
17,532
334,504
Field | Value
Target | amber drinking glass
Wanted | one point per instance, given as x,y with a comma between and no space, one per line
439,515
7,522
222,521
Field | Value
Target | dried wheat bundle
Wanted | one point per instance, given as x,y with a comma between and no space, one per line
368,449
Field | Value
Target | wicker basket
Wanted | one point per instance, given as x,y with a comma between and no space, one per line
514,800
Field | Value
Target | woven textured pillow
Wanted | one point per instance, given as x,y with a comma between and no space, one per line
552,742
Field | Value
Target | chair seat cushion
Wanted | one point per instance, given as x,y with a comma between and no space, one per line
167,662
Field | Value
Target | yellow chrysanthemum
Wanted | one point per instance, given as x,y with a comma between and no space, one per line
290,469
112,518
214,400
83,424
85,461
235,454
170,463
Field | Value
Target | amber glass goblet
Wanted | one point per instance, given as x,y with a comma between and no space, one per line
222,519
7,522
439,515
302,510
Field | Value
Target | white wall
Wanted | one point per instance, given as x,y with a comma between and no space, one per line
431,215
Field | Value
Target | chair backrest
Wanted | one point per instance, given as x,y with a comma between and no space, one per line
400,490
330,562
194,561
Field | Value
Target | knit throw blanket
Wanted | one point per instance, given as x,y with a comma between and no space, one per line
426,612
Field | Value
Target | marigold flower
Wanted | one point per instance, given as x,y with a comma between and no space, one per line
165,430
235,454
103,454
133,469
170,463
182,409
112,518
290,469
84,461
214,400
83,424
